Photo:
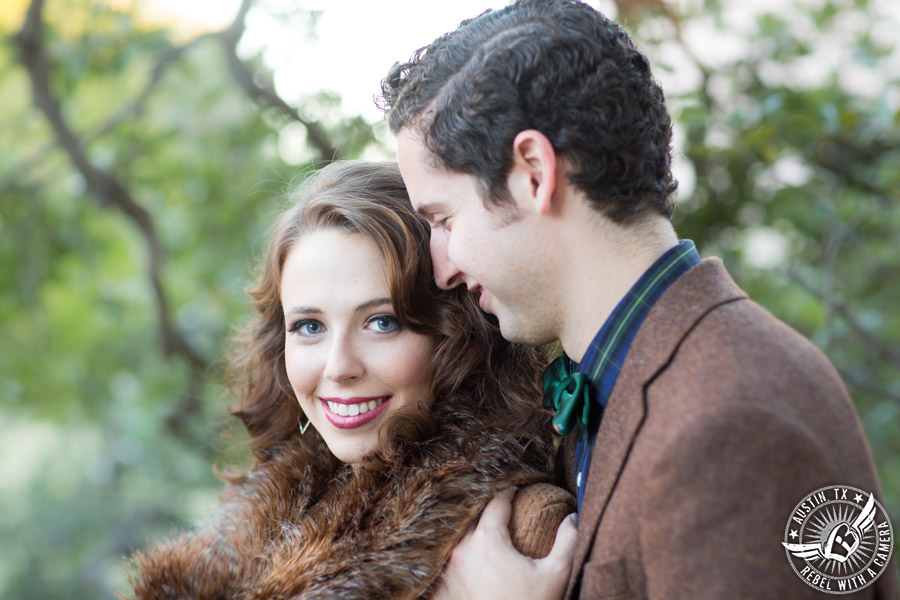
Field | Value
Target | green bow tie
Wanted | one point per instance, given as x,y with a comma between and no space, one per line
568,394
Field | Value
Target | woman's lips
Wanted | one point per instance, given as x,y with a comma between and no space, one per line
359,410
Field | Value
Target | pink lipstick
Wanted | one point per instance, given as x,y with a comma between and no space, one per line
349,413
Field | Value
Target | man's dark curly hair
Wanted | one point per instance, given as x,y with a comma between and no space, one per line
557,66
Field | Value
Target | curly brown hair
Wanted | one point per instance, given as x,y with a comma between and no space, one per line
557,66
480,381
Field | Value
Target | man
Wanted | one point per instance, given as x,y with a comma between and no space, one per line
537,143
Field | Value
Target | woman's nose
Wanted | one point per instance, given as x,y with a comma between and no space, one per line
344,363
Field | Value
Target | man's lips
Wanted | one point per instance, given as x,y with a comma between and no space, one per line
481,293
349,413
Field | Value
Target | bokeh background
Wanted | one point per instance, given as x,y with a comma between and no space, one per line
145,147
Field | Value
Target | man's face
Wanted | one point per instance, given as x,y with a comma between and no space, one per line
498,260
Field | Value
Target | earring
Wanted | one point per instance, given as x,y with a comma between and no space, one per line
303,427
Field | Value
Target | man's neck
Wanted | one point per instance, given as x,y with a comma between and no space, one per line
607,260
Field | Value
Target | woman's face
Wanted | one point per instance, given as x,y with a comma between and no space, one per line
350,361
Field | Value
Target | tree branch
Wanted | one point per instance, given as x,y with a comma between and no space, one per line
108,190
139,103
865,384
266,95
15,172
872,342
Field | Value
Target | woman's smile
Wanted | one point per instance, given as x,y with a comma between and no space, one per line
348,413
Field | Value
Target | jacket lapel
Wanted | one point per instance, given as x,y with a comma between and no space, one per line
676,312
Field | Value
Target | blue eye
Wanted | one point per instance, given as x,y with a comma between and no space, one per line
384,323
307,327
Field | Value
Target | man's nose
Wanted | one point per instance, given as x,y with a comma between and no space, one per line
446,274
344,363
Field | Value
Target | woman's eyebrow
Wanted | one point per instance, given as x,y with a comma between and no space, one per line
304,309
318,311
372,303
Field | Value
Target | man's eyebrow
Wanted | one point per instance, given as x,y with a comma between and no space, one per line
428,208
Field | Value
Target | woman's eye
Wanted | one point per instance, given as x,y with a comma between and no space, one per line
384,323
307,327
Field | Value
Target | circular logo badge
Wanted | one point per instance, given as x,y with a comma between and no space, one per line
839,539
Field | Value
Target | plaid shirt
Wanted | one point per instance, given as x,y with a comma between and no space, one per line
605,356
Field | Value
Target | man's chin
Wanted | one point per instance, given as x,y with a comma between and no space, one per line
512,331
509,333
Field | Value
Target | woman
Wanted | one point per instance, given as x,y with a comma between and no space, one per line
383,413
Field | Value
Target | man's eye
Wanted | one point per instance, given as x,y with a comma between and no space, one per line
307,327
439,223
384,323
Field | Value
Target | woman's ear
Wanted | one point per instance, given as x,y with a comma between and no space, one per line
532,178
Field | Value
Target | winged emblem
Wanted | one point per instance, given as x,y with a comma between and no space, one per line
842,541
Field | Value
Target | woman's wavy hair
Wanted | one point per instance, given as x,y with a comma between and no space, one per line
480,381
557,66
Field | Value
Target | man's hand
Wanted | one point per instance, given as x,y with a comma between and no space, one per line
486,565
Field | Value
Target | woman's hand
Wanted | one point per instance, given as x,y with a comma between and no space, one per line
486,565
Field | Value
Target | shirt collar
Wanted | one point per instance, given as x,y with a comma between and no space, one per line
606,354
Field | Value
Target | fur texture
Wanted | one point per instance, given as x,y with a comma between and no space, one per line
384,530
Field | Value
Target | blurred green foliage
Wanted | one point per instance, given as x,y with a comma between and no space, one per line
795,147
109,422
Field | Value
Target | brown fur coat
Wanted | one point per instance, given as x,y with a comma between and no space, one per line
381,531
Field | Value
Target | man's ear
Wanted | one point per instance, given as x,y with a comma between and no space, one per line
532,178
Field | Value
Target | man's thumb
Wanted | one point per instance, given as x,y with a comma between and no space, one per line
564,547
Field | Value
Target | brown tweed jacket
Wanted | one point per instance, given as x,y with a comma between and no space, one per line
721,421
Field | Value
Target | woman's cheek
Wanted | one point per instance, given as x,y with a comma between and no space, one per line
411,365
301,370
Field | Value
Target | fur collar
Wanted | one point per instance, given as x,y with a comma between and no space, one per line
382,531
